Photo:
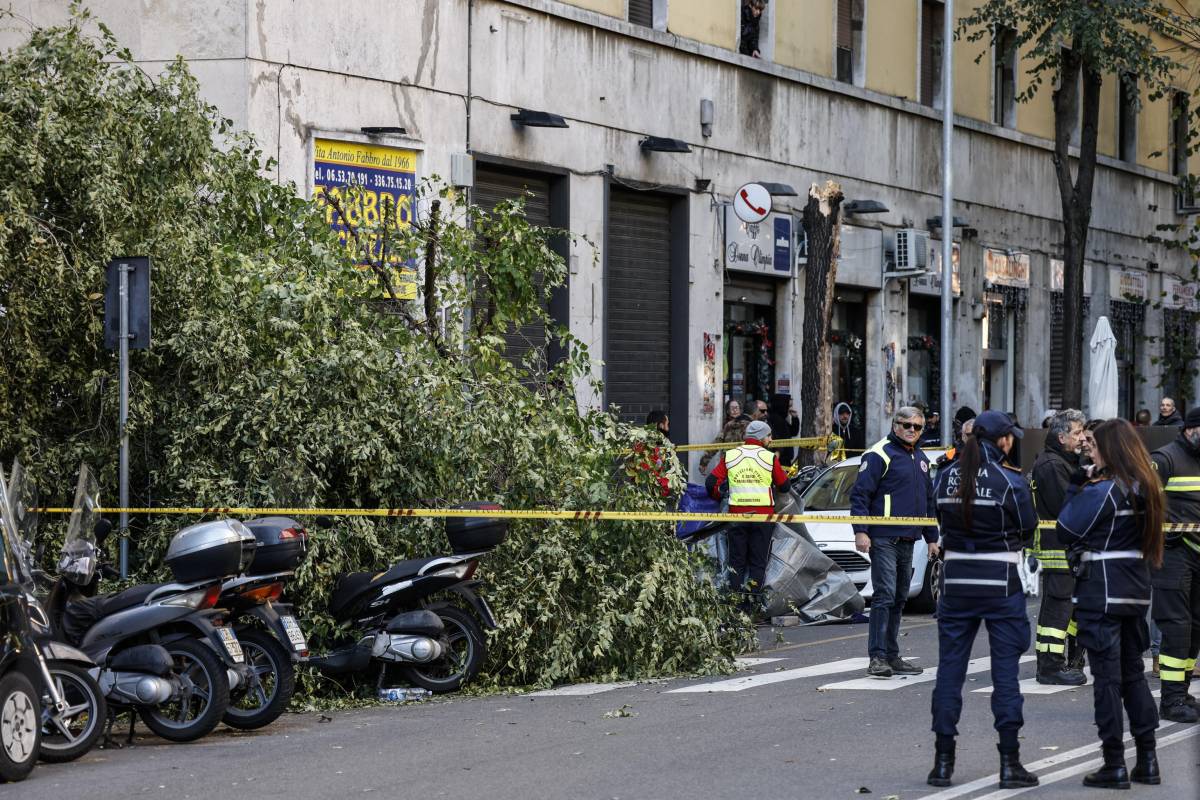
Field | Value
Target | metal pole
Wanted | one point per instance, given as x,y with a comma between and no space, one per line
947,342
123,414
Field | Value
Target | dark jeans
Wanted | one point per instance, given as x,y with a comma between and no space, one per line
1115,646
749,549
891,572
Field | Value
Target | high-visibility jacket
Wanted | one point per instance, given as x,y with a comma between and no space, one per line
1178,465
1049,479
893,481
1101,524
752,472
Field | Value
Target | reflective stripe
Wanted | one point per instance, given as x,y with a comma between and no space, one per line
954,501
1171,661
1072,628
1133,601
1192,544
976,582
878,450
1049,553
1008,557
1053,633
1183,484
1109,555
1125,512
1170,675
887,505
1045,647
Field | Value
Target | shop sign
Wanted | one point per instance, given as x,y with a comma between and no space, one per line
1058,267
374,185
1127,285
763,247
1180,294
752,203
783,384
931,282
1006,268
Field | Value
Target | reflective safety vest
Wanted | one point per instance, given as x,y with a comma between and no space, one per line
1180,467
751,476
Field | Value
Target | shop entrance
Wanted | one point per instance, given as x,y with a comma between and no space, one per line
749,340
999,354
847,339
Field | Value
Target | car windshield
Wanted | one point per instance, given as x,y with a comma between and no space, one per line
831,490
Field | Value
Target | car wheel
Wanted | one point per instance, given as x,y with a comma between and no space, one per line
931,587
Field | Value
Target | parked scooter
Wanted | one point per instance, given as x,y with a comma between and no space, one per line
404,617
271,638
163,650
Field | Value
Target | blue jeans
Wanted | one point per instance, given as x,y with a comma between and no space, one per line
891,572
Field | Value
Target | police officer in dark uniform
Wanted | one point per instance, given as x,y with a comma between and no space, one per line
1112,526
1176,602
986,516
1058,658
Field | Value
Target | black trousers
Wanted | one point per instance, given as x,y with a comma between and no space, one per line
1176,611
1055,626
1115,646
749,549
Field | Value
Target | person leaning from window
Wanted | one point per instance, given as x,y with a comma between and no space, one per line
893,480
986,515
752,11
1113,528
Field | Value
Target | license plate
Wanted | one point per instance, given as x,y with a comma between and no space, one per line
294,634
489,618
232,645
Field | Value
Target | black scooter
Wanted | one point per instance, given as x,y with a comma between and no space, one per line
404,615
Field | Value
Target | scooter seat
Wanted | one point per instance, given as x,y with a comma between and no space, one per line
422,623
81,615
151,658
406,569
351,585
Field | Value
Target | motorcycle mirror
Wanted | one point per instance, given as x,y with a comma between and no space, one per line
102,529
323,521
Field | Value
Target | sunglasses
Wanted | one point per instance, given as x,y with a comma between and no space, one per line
911,426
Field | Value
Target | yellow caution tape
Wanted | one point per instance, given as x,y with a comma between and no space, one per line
804,443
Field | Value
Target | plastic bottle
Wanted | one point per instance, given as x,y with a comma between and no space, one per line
403,694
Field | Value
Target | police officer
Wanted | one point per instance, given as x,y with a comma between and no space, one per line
1112,527
986,516
749,474
1058,658
1176,605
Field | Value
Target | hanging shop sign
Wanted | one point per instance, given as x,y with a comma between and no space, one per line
931,282
1058,267
761,247
1127,285
1179,294
374,186
1006,268
752,203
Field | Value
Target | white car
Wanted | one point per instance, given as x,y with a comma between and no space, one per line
829,495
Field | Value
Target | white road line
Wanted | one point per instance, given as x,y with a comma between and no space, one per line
763,679
902,681
581,689
746,662
1087,766
1031,686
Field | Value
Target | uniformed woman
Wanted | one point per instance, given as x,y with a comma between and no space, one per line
985,511
1112,526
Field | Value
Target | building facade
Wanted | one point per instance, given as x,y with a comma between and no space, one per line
683,305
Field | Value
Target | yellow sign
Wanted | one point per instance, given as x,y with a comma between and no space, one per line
370,189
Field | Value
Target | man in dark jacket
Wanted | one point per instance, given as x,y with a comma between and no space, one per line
1058,654
1168,415
893,481
784,425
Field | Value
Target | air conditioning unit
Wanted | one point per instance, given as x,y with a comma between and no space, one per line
910,254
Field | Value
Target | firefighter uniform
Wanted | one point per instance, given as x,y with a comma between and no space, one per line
1058,658
1101,524
1176,604
981,584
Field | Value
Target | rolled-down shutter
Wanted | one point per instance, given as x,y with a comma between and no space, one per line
491,188
637,350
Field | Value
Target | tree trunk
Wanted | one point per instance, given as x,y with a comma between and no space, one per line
822,223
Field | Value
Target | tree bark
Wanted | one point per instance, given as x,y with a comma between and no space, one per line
822,223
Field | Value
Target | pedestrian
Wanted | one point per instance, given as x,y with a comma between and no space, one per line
1089,442
752,11
1142,418
660,421
749,474
893,480
784,425
985,511
733,432
1112,525
1176,606
756,409
845,428
1168,414
932,436
733,410
1059,660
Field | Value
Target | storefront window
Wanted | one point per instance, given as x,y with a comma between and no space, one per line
749,352
924,361
1003,324
848,352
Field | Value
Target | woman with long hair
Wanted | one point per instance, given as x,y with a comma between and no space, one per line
985,511
1112,525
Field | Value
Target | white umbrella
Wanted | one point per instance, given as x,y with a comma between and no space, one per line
1102,388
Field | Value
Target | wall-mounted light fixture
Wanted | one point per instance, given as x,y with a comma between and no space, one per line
864,207
537,119
384,130
702,184
936,222
707,113
778,189
661,144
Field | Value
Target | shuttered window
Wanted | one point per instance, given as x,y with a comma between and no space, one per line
931,52
637,342
641,12
1058,346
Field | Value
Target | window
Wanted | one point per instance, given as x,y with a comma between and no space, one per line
931,52
1179,355
757,34
1004,78
648,13
850,52
1058,346
1128,322
1127,120
1185,195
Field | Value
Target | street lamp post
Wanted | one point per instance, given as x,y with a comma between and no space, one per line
947,219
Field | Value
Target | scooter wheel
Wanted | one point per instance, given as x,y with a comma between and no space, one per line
464,657
203,699
260,703
82,725
20,733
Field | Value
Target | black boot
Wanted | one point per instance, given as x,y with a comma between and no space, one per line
1012,774
1174,705
943,762
1146,768
1112,775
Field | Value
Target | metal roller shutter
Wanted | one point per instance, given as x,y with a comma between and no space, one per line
637,349
491,188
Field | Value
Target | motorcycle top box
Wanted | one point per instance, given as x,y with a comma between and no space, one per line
211,550
476,534
281,545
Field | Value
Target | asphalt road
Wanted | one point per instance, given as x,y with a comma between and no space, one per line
806,725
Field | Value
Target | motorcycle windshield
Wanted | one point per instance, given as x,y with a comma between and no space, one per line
18,558
79,547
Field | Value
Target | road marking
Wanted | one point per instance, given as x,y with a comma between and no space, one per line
1091,764
581,689
746,662
1031,686
763,679
848,637
892,684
